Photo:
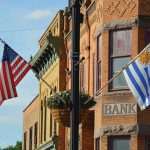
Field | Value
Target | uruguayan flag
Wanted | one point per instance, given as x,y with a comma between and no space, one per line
137,75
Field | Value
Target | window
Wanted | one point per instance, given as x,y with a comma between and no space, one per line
83,78
119,143
147,144
120,55
94,73
30,139
55,89
51,92
97,144
51,124
41,122
147,36
55,126
45,119
99,63
25,140
35,133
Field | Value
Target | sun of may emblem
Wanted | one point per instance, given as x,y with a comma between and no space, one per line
145,58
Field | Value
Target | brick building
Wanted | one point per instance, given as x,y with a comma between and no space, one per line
50,64
30,125
112,33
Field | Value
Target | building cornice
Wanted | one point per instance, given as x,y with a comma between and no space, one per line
141,21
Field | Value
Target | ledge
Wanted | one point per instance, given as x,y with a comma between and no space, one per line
118,94
122,129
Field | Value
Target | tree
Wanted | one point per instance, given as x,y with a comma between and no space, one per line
18,146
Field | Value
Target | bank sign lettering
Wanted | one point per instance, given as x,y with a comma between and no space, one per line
115,109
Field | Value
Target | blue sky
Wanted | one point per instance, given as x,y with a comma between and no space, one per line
18,15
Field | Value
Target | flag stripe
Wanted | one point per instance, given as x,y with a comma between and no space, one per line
19,69
141,77
9,80
18,66
1,86
147,74
12,81
1,102
137,87
4,85
6,79
23,72
16,63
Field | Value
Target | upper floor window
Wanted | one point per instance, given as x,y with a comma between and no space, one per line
25,140
94,73
83,77
35,133
30,139
147,36
99,62
120,55
51,124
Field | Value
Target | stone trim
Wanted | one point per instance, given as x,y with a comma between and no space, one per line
119,24
124,129
97,132
118,94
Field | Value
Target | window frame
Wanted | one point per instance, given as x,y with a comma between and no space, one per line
98,63
35,133
83,78
145,41
97,143
146,142
111,57
25,141
94,73
111,138
30,138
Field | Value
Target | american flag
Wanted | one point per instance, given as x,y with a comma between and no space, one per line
13,69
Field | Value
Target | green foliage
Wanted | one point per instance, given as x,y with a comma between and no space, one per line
18,146
63,100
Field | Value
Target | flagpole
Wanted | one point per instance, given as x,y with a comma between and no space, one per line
145,49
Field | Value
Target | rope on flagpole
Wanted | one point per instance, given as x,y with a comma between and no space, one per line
145,49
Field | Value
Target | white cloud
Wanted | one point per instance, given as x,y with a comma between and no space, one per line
39,14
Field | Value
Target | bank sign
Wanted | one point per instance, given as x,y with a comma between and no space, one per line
115,109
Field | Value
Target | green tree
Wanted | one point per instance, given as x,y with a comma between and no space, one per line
18,146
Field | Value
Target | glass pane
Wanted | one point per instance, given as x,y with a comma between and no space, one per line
119,144
99,76
147,36
121,42
120,62
119,81
99,48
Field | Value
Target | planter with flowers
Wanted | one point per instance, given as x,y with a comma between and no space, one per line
60,105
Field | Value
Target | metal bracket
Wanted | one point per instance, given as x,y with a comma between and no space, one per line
83,58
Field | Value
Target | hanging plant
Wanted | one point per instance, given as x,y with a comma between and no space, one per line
60,105
62,100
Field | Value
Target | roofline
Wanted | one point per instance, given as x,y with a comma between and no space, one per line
31,103
61,10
